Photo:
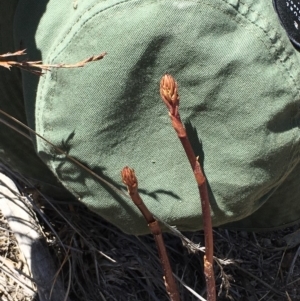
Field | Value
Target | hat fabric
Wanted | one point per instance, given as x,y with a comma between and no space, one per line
238,80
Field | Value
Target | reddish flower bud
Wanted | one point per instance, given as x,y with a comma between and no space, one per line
169,91
128,177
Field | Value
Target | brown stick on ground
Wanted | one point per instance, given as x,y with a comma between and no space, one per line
169,94
130,180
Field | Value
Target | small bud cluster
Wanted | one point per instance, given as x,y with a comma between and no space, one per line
128,177
169,92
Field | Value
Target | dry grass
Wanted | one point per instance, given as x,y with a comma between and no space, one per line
11,266
8,61
107,264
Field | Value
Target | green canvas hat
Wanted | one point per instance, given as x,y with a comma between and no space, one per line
239,80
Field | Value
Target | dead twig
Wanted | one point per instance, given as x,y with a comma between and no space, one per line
37,67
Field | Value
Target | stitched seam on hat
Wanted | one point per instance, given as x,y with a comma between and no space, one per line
294,151
38,110
281,59
284,170
81,16
287,57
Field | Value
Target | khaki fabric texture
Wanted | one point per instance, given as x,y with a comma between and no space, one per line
238,77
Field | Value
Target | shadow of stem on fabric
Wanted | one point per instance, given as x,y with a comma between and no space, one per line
82,175
197,146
